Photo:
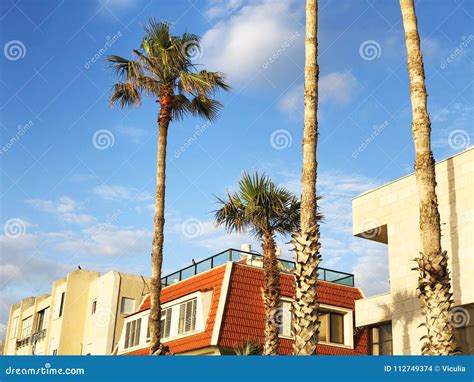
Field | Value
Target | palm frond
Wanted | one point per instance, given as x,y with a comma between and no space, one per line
127,70
204,107
125,94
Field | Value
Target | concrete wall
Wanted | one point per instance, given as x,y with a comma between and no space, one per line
390,215
77,331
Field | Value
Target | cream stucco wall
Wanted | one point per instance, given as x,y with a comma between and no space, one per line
389,214
77,331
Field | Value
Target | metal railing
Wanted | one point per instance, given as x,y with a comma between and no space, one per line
253,259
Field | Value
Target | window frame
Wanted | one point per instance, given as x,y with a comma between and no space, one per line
122,305
380,343
93,306
184,308
133,328
42,320
14,327
347,329
28,320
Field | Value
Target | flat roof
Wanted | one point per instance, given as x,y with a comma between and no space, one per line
412,173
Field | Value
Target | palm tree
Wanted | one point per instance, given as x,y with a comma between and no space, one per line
162,69
266,209
306,241
434,282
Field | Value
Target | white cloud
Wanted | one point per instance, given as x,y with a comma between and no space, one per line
219,8
242,43
337,87
116,192
107,240
371,270
64,209
135,134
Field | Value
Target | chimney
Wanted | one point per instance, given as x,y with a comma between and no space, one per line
246,248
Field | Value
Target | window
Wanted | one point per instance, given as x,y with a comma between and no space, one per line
284,319
94,307
165,323
127,305
463,317
26,327
132,333
14,327
332,327
60,304
187,316
380,339
42,321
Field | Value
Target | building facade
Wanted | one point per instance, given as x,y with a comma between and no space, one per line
83,315
216,306
389,215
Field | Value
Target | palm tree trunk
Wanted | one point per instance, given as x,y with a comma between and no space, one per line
159,221
434,281
306,241
271,293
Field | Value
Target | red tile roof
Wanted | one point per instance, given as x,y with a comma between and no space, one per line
244,316
211,280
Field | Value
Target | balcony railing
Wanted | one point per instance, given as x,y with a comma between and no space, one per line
38,336
23,342
253,259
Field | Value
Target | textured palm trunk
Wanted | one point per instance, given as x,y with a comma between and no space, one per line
434,283
271,294
306,241
159,221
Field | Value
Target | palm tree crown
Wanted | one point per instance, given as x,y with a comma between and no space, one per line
260,206
163,69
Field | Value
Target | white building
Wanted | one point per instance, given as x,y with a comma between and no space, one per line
389,215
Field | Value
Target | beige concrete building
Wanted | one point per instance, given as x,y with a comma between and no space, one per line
389,215
83,315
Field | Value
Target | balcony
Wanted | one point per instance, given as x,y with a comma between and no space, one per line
253,259
38,336
23,342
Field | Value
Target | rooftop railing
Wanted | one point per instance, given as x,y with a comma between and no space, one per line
253,259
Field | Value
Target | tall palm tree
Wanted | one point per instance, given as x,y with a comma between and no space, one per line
163,70
306,241
266,209
434,282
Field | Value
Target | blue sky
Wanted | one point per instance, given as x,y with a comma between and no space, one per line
77,176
